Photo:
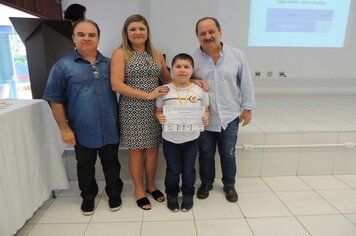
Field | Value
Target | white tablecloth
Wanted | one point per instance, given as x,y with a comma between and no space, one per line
31,163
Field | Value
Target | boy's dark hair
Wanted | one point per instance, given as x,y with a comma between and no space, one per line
75,12
183,56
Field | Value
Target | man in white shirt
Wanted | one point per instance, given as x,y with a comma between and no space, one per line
231,95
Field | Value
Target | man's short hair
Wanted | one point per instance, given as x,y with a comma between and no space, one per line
207,18
87,21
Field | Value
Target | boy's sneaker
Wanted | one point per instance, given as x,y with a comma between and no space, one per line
172,203
115,203
87,207
187,203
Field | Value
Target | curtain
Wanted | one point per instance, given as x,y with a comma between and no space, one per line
6,65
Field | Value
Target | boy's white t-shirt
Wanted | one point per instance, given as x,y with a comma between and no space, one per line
197,97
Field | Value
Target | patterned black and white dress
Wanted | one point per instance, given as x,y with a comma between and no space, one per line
139,127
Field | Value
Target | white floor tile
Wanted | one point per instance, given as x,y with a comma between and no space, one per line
114,229
65,210
128,188
339,125
171,228
37,215
317,161
276,226
350,180
249,163
332,195
128,211
259,211
351,135
261,205
343,200
322,137
328,225
280,162
283,138
58,229
345,162
160,212
285,183
324,182
276,127
246,185
215,207
351,217
223,227
306,203
310,127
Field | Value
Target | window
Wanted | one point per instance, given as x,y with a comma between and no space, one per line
14,76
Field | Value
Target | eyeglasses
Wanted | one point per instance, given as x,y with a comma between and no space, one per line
95,70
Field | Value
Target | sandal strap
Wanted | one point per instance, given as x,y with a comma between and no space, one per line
156,194
143,202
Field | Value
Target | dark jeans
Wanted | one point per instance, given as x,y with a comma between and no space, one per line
180,160
226,142
86,158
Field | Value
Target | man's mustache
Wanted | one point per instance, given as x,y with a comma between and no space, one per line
208,40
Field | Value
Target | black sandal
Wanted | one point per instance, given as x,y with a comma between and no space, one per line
142,202
157,195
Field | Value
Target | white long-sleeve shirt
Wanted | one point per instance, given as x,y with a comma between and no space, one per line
230,85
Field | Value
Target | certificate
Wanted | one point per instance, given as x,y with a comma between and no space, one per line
183,119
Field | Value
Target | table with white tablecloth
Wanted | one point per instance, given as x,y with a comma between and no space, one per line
31,164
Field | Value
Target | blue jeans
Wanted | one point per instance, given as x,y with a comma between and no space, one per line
226,142
180,160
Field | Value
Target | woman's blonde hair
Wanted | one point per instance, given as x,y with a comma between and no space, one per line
126,45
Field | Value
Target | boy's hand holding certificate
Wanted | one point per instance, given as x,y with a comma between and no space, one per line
183,118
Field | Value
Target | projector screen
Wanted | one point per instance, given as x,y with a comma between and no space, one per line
298,23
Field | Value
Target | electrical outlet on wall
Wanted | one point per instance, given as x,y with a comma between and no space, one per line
269,73
257,73
282,74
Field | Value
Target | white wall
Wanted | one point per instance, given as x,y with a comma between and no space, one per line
172,24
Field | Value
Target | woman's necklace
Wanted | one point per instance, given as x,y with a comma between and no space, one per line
186,95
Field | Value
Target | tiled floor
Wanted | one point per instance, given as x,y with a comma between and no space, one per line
309,121
311,203
307,113
290,205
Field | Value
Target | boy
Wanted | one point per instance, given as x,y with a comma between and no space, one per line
180,146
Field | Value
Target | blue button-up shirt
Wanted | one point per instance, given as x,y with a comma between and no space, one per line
85,91
230,85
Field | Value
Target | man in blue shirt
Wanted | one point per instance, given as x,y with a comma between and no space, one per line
85,108
231,96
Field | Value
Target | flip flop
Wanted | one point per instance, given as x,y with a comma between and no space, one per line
142,202
157,195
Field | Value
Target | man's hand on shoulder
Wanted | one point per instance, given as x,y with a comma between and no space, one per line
201,83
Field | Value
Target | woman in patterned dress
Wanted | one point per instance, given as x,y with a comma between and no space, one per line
136,68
